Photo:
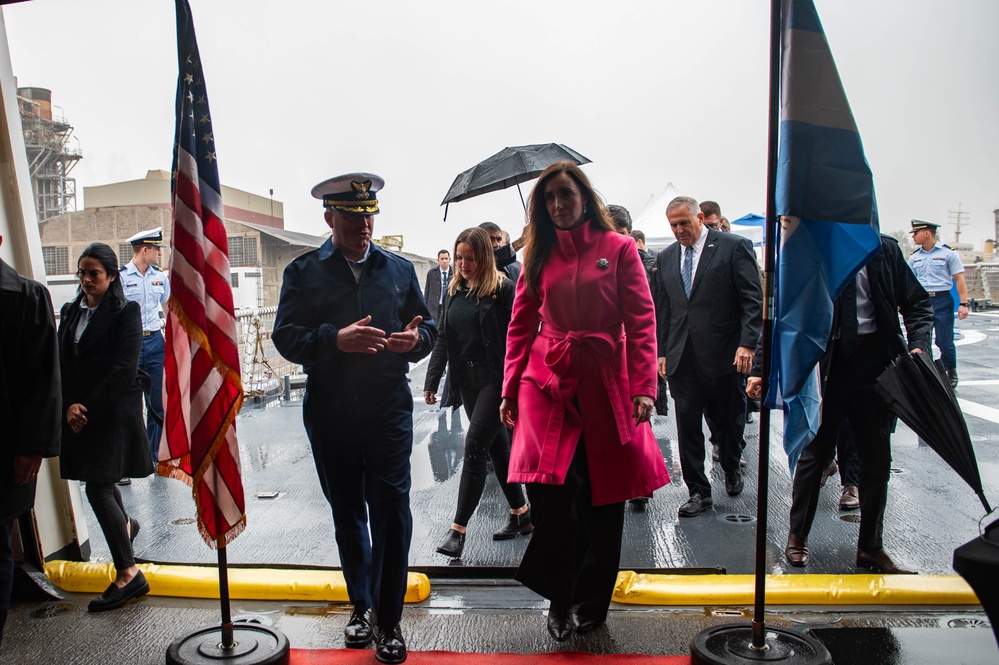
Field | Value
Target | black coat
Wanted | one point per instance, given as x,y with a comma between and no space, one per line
102,374
494,319
725,310
30,407
895,290
432,286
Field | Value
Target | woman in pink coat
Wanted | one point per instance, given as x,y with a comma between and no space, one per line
579,383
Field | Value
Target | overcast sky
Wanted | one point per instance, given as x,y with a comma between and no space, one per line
652,91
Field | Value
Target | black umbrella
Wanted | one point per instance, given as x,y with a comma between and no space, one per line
508,167
919,393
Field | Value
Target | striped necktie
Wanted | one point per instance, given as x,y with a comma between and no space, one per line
687,272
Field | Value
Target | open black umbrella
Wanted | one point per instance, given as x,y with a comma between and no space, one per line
919,393
508,167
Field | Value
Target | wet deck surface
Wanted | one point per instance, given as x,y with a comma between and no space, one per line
930,510
930,513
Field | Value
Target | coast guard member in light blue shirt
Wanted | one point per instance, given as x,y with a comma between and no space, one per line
147,285
937,267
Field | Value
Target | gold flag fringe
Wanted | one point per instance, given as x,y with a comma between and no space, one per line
229,374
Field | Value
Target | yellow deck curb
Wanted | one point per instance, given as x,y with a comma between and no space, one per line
203,582
648,589
631,588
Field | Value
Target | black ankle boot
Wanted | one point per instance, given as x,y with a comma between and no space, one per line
515,524
453,544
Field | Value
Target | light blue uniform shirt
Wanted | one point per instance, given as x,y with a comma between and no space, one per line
151,291
936,268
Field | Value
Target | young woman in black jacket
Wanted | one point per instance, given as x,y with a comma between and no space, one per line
103,434
472,341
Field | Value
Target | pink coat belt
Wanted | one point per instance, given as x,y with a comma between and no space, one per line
561,385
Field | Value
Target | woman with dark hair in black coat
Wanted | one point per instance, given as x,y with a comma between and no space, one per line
472,341
103,436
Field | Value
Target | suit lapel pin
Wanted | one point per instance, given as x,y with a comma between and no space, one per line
603,264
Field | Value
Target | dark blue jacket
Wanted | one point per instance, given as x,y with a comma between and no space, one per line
320,296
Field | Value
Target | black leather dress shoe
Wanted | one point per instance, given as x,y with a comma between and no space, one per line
880,562
733,483
114,596
358,631
695,505
453,544
585,624
796,551
560,622
390,647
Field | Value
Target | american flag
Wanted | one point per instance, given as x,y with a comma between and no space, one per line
203,391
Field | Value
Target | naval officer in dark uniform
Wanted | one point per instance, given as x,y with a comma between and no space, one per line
354,316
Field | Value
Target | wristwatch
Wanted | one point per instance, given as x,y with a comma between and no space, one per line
962,304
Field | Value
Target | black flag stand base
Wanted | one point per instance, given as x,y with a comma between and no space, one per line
230,644
733,645
252,644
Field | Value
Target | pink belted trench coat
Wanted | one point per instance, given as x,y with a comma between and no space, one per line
576,356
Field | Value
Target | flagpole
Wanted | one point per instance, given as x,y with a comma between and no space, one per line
733,644
227,639
771,229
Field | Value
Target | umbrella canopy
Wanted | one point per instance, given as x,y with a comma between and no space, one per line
508,167
919,393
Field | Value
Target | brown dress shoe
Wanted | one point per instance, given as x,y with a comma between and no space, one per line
880,562
796,551
850,498
828,471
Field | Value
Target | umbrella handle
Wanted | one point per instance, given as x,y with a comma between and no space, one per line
445,211
985,502
521,198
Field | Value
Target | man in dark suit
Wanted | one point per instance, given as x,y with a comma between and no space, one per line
504,251
709,310
436,285
30,405
866,338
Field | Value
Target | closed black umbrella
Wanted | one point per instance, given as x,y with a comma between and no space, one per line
508,167
919,393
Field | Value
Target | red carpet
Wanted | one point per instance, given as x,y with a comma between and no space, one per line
367,657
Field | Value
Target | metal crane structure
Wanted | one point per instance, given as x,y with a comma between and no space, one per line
50,157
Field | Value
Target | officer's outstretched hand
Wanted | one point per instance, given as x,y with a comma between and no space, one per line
406,341
359,337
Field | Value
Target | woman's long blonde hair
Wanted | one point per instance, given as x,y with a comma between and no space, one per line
488,279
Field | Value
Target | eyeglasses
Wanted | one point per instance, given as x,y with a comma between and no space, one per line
93,274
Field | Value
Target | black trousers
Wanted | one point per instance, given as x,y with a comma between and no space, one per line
6,573
575,551
850,395
106,501
720,398
487,438
362,453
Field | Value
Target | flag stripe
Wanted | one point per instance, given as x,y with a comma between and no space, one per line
811,90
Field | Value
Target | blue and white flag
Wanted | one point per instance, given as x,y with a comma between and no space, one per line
825,199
